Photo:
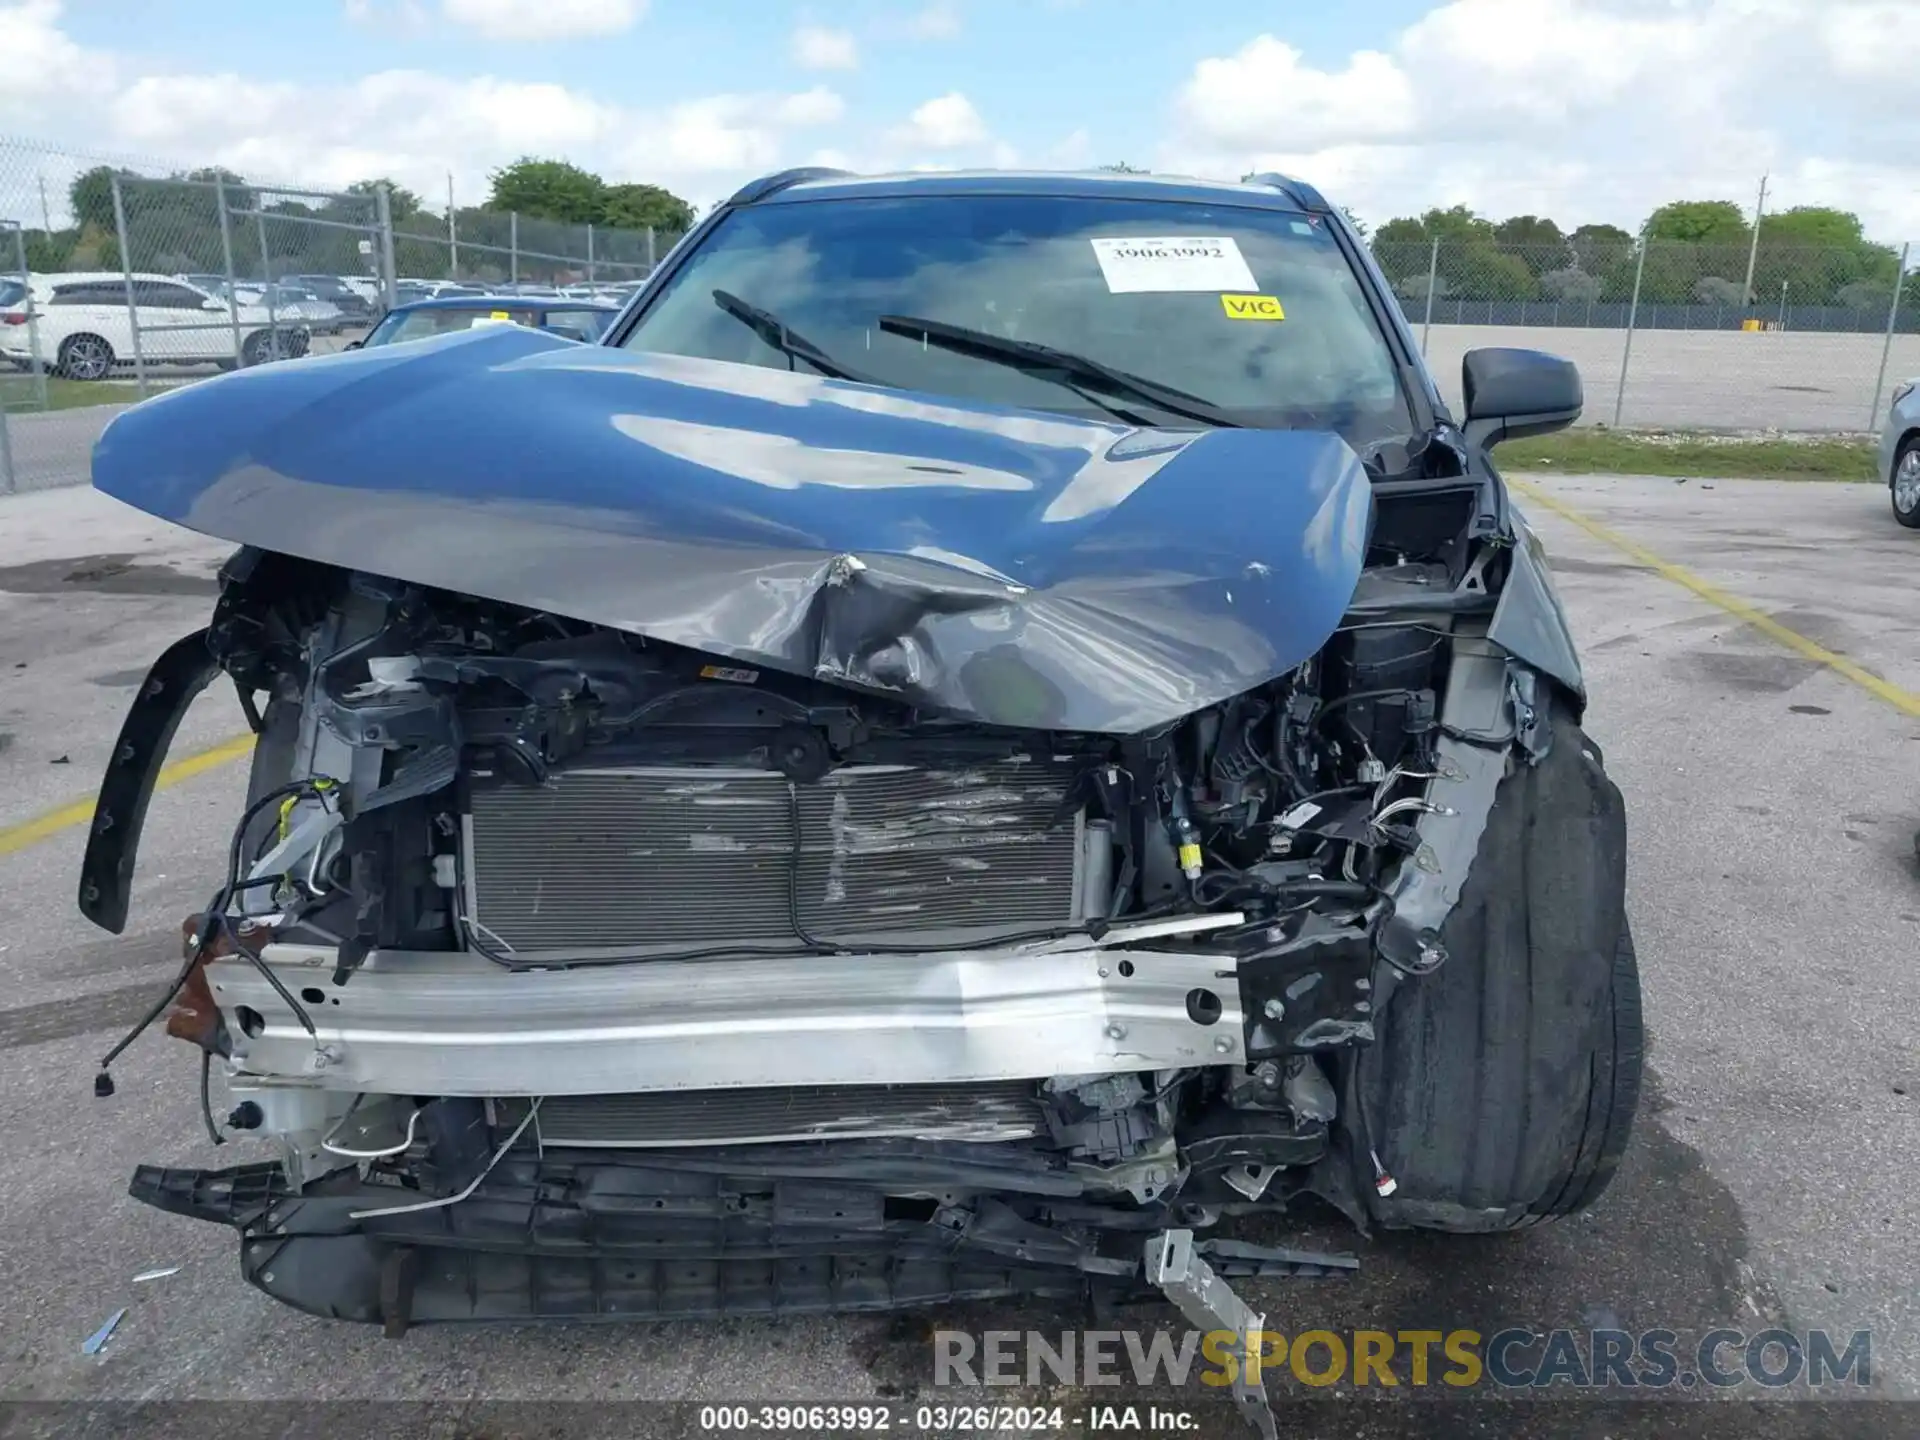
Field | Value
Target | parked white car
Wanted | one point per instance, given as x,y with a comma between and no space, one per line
86,329
293,303
1900,453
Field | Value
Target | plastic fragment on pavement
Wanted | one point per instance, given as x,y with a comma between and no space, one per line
161,1274
97,1341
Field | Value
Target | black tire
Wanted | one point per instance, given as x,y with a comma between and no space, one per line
1502,1088
84,357
1907,455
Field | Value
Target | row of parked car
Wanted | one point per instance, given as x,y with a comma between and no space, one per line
84,328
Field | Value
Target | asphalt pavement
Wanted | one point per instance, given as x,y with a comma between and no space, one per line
1773,890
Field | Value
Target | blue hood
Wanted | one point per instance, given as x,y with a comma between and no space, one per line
1011,567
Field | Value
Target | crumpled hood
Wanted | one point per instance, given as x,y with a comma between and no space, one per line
1011,567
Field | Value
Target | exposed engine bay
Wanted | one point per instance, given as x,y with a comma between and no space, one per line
545,945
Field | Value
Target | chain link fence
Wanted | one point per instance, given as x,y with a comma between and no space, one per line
1673,335
122,277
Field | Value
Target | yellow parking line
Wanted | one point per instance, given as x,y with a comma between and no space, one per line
32,832
1904,701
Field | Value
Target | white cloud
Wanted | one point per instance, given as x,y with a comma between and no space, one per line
412,125
41,64
938,21
1266,97
544,19
1582,109
948,122
815,47
818,106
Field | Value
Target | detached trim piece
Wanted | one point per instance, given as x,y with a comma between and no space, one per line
120,814
420,1023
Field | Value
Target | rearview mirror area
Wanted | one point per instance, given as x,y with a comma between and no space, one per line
1512,393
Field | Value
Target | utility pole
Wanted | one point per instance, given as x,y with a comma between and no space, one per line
46,220
453,235
1753,248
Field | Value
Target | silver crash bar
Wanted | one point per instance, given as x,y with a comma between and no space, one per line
451,1023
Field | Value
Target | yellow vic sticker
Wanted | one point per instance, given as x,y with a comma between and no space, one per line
500,315
1252,307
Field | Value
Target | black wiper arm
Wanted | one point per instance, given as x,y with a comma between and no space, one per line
1044,359
782,337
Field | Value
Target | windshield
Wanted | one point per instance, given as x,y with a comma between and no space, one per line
419,324
1254,311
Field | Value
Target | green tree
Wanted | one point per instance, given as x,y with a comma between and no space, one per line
642,207
1402,232
403,203
91,195
1700,222
549,190
1534,241
1820,253
1457,223
1359,225
1597,248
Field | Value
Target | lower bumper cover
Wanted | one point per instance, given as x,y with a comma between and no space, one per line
691,1236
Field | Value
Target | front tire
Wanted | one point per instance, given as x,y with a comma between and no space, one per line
84,357
1905,483
1502,1088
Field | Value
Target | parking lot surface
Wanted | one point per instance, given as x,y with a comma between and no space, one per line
1773,889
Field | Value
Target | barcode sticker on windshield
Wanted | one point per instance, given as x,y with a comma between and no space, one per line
1148,264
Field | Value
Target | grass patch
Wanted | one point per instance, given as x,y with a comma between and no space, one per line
19,394
1595,451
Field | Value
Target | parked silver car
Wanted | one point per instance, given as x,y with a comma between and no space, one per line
1900,452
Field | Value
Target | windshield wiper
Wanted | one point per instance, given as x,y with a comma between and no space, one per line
1044,360
782,337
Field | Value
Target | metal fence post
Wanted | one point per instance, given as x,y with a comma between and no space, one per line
589,254
453,243
126,280
513,246
36,366
1886,345
383,210
226,258
6,454
266,277
1433,271
1633,314
651,261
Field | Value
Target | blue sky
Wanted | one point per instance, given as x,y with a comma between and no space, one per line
1580,109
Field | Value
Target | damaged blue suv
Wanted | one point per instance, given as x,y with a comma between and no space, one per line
993,725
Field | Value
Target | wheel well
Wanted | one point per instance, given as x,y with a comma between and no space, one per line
1911,436
86,335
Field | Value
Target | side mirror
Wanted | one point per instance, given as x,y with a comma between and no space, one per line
213,305
354,344
1511,393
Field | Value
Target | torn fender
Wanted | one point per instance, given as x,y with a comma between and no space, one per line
1003,566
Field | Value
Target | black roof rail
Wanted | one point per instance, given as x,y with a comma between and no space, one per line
773,184
1298,191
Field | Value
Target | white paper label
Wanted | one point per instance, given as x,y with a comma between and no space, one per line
1140,264
1299,815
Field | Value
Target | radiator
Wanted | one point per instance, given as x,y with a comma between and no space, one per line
663,860
998,1110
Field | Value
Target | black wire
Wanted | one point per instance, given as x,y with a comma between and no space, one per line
793,875
1356,697
216,916
206,1097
